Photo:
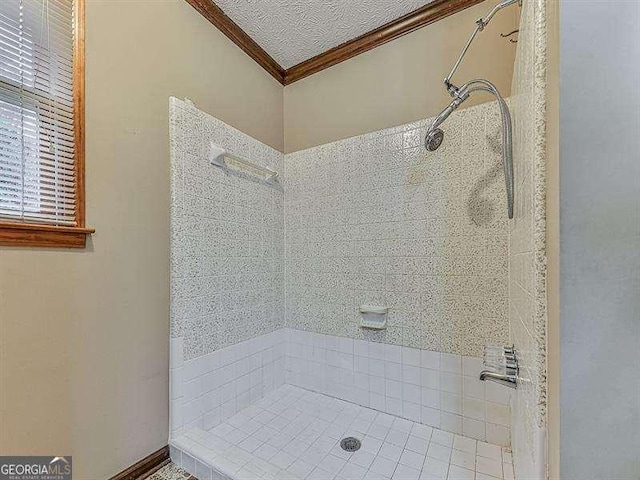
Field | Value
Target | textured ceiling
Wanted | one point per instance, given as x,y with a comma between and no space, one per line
292,31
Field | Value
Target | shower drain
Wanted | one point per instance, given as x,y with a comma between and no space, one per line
350,444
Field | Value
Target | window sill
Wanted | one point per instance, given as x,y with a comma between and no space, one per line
34,235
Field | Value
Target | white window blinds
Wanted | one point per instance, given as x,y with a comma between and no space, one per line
37,147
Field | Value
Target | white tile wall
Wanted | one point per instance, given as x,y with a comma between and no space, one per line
437,389
227,268
527,249
371,219
211,388
440,390
375,219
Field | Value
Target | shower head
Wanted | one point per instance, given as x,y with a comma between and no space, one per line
435,136
433,139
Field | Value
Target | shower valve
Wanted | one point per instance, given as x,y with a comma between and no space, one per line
502,364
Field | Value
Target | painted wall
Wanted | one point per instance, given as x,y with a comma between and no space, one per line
87,332
399,82
599,240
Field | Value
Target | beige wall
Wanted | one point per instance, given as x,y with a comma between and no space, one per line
87,332
399,82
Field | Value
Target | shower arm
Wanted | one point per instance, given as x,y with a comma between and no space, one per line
480,24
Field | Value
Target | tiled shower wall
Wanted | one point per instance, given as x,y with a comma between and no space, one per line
442,390
369,220
527,254
439,390
227,270
377,220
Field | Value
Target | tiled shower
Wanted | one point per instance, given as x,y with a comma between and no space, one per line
270,366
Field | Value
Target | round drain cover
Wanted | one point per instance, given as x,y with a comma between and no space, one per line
350,444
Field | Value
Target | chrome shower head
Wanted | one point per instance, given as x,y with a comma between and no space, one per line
433,139
435,135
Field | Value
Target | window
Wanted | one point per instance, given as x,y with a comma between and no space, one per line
42,123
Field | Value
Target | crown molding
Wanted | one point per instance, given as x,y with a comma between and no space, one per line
218,18
430,13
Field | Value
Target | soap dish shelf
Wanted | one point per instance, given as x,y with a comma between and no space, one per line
373,317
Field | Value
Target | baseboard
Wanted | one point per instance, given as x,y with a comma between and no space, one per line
146,466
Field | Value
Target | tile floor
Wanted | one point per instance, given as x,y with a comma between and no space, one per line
294,433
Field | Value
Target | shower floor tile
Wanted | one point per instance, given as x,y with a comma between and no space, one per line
294,434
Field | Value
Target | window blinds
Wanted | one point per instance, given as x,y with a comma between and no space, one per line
37,147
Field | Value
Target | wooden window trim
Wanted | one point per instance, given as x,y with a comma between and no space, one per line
24,234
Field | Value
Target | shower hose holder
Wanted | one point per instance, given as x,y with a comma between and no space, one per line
502,365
